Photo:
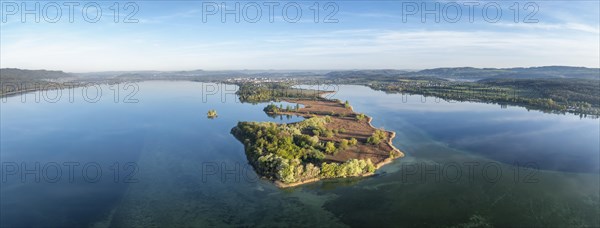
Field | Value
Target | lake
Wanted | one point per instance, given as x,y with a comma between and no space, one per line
151,157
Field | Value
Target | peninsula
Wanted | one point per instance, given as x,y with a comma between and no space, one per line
332,141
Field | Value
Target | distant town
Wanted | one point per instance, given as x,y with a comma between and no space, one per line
259,80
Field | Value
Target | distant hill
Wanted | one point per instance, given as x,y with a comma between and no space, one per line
470,73
194,74
457,73
12,74
473,74
15,81
364,73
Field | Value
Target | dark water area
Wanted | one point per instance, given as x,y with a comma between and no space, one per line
162,162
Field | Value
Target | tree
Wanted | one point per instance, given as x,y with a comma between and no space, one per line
369,168
373,140
285,172
341,171
330,148
211,113
344,144
353,142
392,154
271,109
360,117
328,170
376,138
311,171
316,155
316,132
354,167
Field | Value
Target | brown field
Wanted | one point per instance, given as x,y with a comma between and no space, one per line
345,118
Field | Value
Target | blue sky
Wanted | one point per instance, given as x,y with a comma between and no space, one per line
187,35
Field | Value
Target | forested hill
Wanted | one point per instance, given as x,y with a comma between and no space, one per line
471,73
14,81
12,74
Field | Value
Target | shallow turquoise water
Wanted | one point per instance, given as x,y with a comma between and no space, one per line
164,163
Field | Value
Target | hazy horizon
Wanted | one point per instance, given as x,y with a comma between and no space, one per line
294,70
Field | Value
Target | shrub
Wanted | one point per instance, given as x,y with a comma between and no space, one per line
360,117
376,137
373,140
341,171
271,109
316,132
330,148
344,144
212,113
369,168
392,154
316,155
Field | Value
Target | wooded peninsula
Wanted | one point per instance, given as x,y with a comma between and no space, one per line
332,141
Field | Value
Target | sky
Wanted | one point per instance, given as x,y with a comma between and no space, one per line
326,35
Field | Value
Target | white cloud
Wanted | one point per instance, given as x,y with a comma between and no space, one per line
545,26
340,49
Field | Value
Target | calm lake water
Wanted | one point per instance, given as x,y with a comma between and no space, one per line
161,162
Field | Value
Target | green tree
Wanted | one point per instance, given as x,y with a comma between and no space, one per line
353,142
271,108
316,132
330,148
360,117
328,170
344,144
377,137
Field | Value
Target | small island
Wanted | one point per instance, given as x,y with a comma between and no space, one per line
212,114
331,142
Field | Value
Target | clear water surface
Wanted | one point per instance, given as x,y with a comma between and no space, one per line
161,162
